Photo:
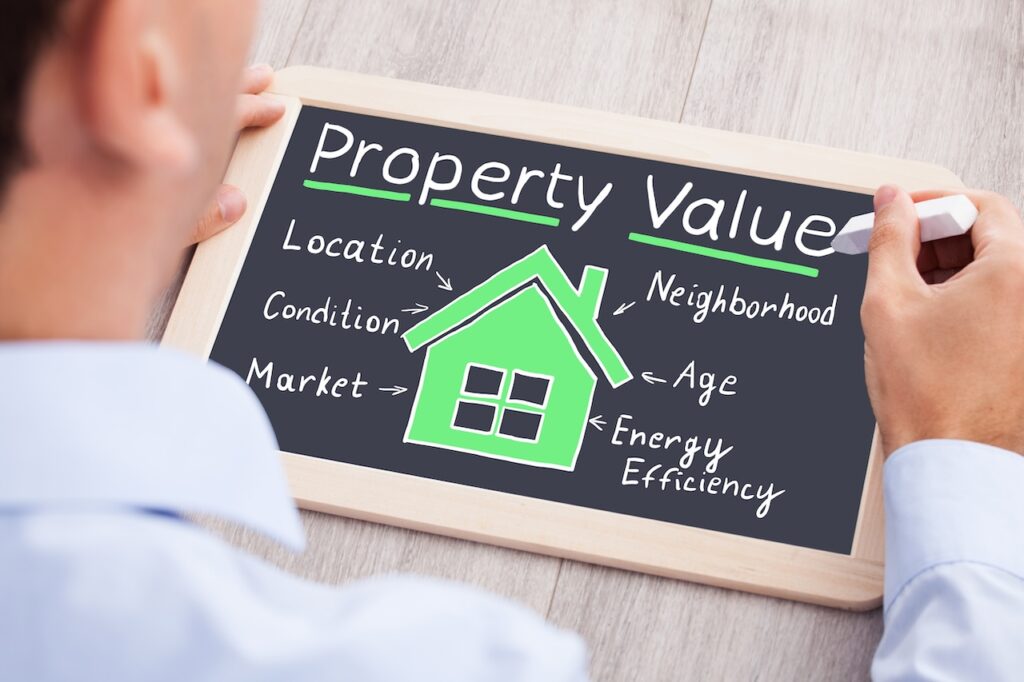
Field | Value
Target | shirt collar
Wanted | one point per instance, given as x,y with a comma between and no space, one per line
130,425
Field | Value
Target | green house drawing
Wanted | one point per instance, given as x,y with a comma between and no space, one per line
505,375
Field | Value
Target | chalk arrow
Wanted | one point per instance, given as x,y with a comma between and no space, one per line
394,390
445,284
651,379
597,422
624,307
416,310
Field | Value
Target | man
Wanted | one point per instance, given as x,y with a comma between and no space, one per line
944,356
116,117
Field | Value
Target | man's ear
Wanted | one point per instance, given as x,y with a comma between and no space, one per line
130,80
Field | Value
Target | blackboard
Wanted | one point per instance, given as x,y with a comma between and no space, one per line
703,395
514,366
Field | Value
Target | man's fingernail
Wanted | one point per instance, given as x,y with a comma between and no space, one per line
885,195
231,202
261,67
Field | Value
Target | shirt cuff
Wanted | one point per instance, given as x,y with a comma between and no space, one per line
951,501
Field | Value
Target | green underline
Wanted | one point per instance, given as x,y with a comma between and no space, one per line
356,189
521,216
497,212
730,256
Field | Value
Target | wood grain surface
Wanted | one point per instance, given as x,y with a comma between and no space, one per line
933,80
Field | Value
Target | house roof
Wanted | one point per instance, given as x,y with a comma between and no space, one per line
579,305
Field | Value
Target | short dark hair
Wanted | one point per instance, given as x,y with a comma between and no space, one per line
25,27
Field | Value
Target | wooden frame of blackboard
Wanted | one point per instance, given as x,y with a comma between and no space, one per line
847,581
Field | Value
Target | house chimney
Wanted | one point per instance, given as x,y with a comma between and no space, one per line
591,287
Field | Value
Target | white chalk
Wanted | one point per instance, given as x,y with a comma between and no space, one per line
940,218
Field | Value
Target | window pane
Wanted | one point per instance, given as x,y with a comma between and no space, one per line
474,416
530,389
483,381
517,424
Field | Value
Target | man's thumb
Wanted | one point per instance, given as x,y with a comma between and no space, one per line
895,239
225,210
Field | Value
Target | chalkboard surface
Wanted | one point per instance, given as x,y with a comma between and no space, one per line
647,338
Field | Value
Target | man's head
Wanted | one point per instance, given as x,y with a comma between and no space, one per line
25,28
116,119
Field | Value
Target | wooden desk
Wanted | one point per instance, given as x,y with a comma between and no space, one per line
932,80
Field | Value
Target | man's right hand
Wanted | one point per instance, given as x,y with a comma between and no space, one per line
944,325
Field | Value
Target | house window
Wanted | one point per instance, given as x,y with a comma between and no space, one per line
530,389
475,416
483,381
506,403
520,425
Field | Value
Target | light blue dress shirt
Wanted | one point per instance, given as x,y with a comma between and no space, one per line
103,446
954,565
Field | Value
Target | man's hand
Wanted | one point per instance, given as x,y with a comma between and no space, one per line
254,111
944,325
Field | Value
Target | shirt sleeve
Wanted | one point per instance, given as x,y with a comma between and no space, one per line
954,575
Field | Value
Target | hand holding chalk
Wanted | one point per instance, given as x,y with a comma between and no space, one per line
943,217
946,361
